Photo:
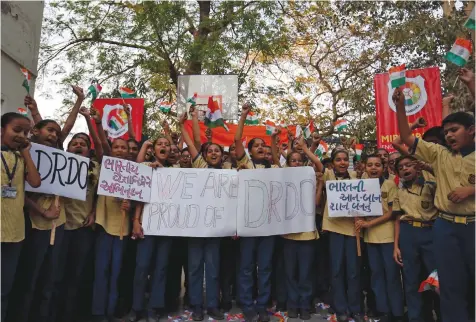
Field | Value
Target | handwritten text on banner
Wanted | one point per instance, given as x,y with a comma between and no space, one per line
276,201
354,198
62,173
192,203
125,179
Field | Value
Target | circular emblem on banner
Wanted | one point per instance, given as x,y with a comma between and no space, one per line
114,120
425,204
471,178
414,92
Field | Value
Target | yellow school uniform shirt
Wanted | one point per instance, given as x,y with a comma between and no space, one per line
344,226
199,162
416,202
383,233
452,170
45,201
249,164
77,210
109,216
390,176
13,220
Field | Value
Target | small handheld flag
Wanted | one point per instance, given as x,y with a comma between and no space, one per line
27,81
358,150
251,119
397,76
94,90
460,52
213,117
341,125
193,100
165,107
127,92
298,131
431,283
470,23
308,130
270,127
321,149
22,111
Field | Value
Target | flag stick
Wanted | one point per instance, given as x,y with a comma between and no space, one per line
53,229
123,213
357,237
455,81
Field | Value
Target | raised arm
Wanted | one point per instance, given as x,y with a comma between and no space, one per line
467,77
274,147
167,132
191,147
405,131
399,146
30,103
196,129
143,151
319,193
446,109
97,143
100,131
239,149
314,159
68,125
130,128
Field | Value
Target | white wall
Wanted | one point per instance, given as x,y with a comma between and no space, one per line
21,31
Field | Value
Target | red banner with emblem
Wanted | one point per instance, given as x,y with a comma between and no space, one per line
114,118
224,138
422,91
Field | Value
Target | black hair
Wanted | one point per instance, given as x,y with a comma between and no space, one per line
120,139
336,151
462,118
218,145
203,148
403,157
252,141
382,149
435,131
185,149
132,140
375,155
41,124
7,118
290,154
326,161
82,135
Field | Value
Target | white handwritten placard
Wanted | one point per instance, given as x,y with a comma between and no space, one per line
354,198
276,201
125,179
192,203
62,173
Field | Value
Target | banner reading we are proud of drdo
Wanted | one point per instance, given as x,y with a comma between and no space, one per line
422,91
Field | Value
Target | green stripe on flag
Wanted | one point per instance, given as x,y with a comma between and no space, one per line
398,82
455,59
470,23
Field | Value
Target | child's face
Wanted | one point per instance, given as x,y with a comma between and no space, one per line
174,154
457,136
185,160
15,133
48,135
162,149
268,154
341,162
297,145
257,150
214,155
374,167
295,160
78,146
391,161
133,150
120,149
233,152
406,170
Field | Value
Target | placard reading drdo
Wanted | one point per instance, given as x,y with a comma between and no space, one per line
125,179
192,203
354,198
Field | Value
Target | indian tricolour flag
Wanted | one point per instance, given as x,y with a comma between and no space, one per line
341,125
470,23
308,130
94,91
270,127
193,100
213,117
460,52
358,150
321,149
22,111
127,92
397,76
251,119
165,107
27,80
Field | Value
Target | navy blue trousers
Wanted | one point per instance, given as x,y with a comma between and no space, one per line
298,266
10,257
454,249
255,251
107,267
204,251
345,273
152,252
416,247
386,279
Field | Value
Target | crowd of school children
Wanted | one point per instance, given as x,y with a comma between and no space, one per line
67,260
